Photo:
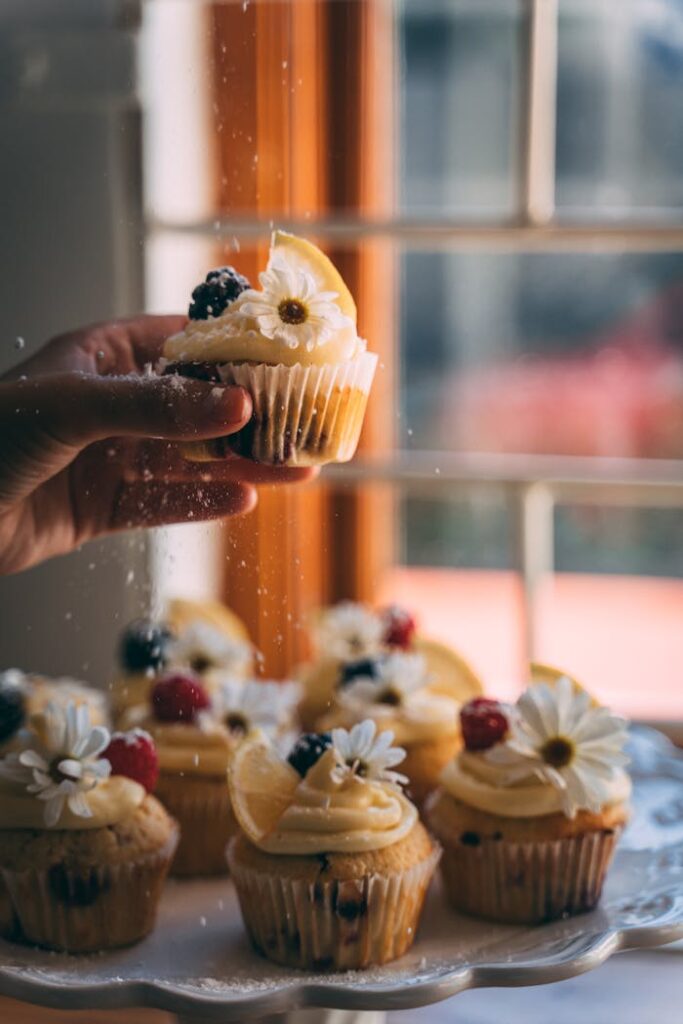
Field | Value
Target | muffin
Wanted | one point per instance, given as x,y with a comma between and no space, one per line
349,632
197,734
332,864
292,345
394,690
205,637
84,848
529,813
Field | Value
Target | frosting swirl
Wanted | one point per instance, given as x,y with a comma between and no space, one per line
110,802
337,811
475,781
189,749
424,716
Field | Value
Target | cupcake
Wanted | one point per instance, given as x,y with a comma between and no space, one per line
394,690
207,645
332,864
197,734
25,694
349,632
293,345
84,848
529,813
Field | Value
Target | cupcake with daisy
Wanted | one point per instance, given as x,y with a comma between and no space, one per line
529,813
84,846
203,637
197,733
293,345
331,864
395,691
351,632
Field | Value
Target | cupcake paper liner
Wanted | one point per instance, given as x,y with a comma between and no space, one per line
206,822
335,925
85,910
302,415
528,883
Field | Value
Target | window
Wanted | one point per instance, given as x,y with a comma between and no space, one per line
500,181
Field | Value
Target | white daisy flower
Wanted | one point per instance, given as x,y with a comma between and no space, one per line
559,737
348,631
60,764
290,308
202,648
244,706
397,678
367,754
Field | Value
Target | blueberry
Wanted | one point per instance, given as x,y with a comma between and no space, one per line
308,749
366,667
144,645
222,286
12,704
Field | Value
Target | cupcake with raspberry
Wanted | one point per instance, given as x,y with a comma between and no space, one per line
332,864
192,642
197,734
395,691
84,847
292,345
349,632
529,813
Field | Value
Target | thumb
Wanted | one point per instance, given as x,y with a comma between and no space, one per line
45,422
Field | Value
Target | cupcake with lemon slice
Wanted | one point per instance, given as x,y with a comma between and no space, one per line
349,632
395,691
332,864
293,345
529,813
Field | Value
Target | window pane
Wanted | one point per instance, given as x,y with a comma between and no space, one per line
552,353
459,106
620,75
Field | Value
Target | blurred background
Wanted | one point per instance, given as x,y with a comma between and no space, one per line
501,183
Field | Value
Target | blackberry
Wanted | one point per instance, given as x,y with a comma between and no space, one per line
195,371
221,287
308,749
144,645
366,667
12,704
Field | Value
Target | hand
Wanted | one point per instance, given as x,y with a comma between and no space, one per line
87,443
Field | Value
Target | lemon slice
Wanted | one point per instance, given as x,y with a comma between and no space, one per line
318,683
542,673
312,259
261,786
181,612
453,676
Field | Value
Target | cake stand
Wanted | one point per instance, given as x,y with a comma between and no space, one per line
199,966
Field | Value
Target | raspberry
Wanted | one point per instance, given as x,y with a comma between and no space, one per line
308,749
483,723
134,755
399,627
144,645
178,697
12,703
364,667
221,287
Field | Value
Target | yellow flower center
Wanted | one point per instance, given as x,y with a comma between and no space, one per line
390,695
236,723
558,752
292,311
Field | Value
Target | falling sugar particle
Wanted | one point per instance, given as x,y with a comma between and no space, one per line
235,243
409,432
202,921
68,615
130,577
19,343
437,470
285,63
